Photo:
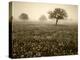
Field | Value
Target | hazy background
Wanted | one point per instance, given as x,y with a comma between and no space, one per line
35,10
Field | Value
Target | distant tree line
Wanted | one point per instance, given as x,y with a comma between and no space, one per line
57,14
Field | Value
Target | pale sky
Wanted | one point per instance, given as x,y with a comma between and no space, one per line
35,10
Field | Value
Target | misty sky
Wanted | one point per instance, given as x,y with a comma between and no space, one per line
35,10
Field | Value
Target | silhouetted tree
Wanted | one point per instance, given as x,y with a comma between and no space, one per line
43,18
57,14
24,16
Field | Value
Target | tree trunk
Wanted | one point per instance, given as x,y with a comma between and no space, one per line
56,21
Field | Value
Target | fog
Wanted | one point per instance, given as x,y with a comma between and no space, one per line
35,10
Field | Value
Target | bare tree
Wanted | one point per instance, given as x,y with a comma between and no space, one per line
57,14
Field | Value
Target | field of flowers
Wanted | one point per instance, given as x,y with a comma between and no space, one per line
36,40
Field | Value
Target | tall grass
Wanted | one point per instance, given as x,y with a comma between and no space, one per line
35,40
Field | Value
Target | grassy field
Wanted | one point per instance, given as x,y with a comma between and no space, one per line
35,40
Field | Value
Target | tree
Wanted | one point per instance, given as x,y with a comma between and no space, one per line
23,16
57,14
43,18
